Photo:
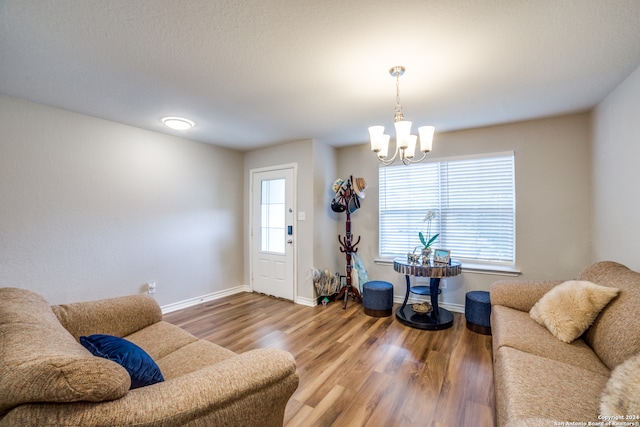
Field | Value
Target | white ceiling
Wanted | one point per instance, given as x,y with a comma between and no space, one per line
258,72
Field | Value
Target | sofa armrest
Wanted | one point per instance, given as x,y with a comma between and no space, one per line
250,389
114,316
520,294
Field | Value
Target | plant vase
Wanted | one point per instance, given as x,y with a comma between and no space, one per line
426,255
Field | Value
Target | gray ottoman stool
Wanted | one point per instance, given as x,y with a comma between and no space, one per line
477,311
377,298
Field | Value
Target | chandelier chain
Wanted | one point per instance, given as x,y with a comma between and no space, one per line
398,116
398,88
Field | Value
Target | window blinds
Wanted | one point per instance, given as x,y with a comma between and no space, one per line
474,201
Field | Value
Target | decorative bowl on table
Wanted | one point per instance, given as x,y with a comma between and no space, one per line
422,308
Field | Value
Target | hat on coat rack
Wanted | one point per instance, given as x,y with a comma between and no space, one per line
338,204
359,186
354,204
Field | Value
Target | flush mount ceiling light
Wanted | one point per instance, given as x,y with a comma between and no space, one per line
405,142
177,123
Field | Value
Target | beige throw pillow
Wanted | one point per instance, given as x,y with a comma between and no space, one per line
621,395
570,308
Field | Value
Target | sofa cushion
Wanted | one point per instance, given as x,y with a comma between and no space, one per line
570,308
160,339
621,395
118,316
529,386
40,361
615,334
140,366
516,329
520,294
192,357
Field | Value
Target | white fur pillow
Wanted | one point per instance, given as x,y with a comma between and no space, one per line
570,308
621,395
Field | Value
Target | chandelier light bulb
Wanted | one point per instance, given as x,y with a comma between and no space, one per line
403,132
385,146
411,148
375,134
426,138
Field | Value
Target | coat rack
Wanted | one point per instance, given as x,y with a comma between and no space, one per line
347,246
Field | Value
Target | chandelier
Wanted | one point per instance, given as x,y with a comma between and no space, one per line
405,142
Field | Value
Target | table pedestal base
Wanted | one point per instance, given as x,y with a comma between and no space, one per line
442,319
438,318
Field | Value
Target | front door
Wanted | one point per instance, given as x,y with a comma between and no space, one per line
273,231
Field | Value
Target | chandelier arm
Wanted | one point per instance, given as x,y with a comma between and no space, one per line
405,160
389,161
424,155
385,162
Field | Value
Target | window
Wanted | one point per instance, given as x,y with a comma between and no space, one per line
272,216
474,201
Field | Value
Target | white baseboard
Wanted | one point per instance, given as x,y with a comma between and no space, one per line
204,298
458,308
306,301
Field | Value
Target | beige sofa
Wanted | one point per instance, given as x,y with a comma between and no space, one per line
47,378
543,381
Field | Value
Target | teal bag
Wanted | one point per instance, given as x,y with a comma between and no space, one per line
358,271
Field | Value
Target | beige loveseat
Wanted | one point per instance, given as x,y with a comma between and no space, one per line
47,378
543,381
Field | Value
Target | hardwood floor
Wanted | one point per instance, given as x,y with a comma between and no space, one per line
357,370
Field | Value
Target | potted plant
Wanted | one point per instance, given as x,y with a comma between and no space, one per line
427,240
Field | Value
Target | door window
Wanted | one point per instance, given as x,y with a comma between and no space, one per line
272,216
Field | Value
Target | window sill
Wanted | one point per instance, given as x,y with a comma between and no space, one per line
497,270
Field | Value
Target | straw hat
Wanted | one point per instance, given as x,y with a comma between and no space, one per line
359,186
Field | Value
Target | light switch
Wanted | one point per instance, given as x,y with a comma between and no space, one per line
301,216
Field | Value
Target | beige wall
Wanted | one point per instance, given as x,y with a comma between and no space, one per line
552,190
300,153
616,174
316,235
325,227
92,209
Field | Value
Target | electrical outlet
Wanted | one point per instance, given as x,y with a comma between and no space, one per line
151,287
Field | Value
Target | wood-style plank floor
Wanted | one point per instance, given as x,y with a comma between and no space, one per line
356,370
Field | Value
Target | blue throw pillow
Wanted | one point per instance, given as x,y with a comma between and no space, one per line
141,367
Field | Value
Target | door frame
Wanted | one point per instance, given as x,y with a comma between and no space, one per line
294,204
